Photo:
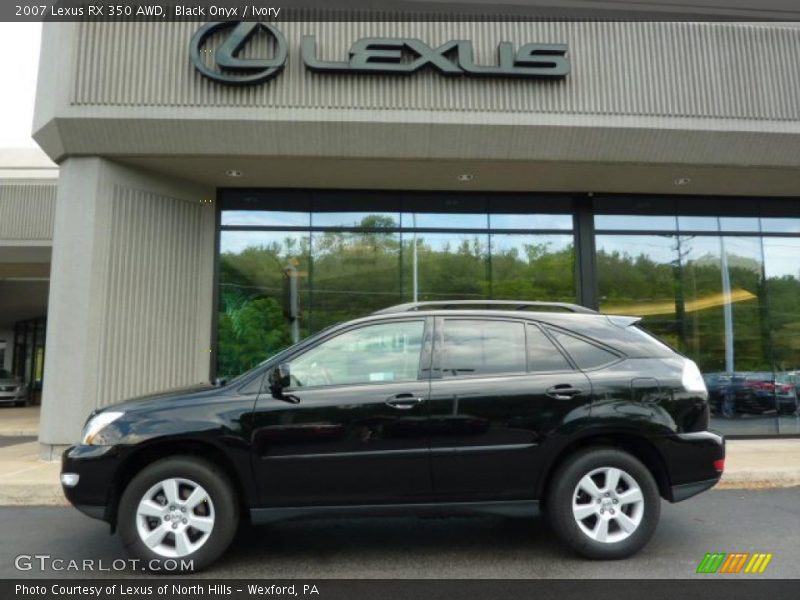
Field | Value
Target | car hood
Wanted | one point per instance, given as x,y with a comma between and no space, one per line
167,398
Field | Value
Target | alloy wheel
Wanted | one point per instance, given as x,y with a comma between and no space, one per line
175,517
608,505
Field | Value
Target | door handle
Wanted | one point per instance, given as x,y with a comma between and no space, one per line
563,391
404,401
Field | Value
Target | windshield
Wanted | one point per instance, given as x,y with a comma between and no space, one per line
5,374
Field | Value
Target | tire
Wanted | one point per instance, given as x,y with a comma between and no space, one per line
177,482
629,524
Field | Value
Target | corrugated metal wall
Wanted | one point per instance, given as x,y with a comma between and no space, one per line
654,69
155,278
27,209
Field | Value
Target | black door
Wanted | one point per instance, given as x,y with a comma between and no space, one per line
499,388
357,434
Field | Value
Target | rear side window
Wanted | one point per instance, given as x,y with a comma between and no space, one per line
585,354
478,347
542,353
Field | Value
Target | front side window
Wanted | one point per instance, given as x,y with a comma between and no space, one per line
478,347
377,353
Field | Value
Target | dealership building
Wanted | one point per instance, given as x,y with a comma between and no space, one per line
206,173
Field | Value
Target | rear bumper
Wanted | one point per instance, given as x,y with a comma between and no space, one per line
692,460
687,490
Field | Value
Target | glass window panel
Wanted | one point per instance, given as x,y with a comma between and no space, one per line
543,356
372,354
476,347
532,267
449,266
782,284
635,222
354,274
446,220
718,224
583,353
513,221
698,224
372,220
724,329
774,225
676,284
252,290
637,276
739,224
266,218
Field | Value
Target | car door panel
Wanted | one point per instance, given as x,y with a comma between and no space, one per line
342,446
357,443
487,432
488,444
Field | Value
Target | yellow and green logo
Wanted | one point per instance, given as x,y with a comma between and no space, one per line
735,562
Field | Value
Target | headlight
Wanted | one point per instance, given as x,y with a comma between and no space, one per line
96,424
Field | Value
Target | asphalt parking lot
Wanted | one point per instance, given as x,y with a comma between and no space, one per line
485,547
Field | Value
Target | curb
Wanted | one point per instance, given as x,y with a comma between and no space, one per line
760,480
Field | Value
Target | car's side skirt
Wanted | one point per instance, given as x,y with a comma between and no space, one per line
509,508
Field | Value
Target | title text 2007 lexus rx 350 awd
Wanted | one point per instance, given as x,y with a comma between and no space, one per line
445,408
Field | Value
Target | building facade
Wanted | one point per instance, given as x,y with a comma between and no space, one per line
635,167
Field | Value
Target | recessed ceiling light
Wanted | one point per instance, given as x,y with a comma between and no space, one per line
233,173
465,177
682,181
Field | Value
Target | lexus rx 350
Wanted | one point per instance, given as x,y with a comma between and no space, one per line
449,408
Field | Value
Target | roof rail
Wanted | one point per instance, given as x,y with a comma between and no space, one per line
498,304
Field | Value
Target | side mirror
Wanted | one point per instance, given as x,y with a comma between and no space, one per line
280,379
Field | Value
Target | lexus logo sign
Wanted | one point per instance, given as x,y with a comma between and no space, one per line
371,55
235,70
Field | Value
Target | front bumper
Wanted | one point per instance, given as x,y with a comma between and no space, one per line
96,468
16,396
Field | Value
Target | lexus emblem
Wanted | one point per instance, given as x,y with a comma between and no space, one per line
232,69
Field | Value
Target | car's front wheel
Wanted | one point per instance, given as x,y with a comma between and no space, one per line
604,503
179,514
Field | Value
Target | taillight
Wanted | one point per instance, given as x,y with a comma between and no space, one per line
719,465
692,379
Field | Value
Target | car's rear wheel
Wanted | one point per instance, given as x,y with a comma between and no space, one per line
604,503
179,514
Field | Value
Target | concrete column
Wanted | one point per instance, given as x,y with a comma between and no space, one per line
131,292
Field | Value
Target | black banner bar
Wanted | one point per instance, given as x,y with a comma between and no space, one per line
710,588
398,10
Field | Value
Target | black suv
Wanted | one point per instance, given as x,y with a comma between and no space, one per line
439,408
